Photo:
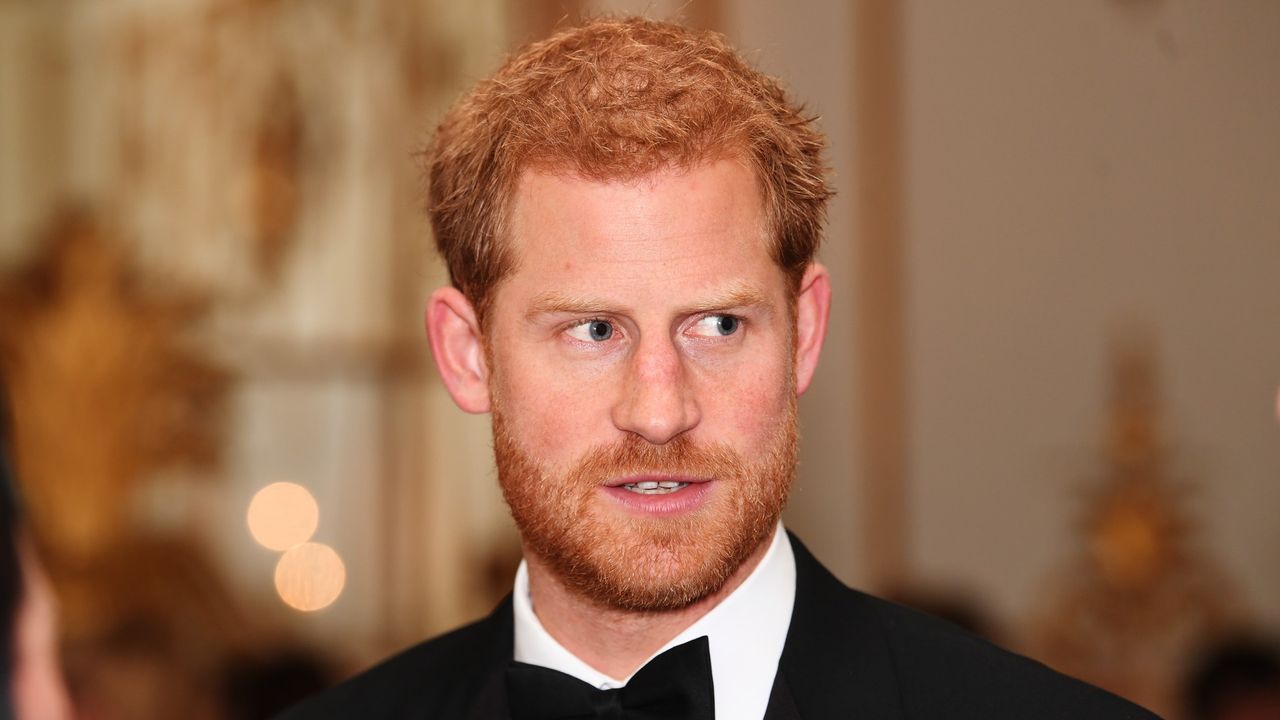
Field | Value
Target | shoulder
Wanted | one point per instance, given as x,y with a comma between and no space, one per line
847,649
441,677
944,671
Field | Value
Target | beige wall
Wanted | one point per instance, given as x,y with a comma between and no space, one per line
1074,167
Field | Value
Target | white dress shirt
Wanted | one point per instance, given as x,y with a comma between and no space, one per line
746,632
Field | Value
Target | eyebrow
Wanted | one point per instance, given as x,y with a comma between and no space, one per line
551,302
737,296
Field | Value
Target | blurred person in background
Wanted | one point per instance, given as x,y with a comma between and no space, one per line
1236,679
630,215
259,686
33,688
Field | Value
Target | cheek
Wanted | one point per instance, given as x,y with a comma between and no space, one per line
554,412
746,405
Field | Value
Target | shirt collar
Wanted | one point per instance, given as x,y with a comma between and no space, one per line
747,631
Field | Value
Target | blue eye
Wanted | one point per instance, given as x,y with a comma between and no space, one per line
592,331
717,325
599,330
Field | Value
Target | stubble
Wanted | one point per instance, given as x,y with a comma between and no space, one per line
633,562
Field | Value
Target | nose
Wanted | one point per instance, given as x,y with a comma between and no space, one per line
657,401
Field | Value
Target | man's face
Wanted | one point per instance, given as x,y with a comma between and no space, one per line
642,381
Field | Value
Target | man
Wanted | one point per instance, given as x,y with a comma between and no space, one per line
629,214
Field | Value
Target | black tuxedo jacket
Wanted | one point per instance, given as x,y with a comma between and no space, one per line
847,655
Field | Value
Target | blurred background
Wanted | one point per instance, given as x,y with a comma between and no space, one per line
1047,408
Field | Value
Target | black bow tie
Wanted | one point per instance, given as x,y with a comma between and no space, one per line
676,684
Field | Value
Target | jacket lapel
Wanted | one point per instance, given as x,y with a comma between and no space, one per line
837,661
781,705
490,702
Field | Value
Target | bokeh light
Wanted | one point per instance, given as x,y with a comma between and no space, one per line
283,515
310,577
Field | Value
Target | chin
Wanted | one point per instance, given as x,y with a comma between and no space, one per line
654,565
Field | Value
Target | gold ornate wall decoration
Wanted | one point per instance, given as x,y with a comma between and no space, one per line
220,130
1140,593
257,157
275,176
105,389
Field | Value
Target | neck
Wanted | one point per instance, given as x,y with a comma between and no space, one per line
617,642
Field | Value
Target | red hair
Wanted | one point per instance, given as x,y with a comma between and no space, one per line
618,99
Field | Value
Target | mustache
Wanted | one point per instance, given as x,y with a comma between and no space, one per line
633,455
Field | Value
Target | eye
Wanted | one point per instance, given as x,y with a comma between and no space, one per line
717,325
592,331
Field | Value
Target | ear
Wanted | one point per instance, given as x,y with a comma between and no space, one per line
813,304
458,348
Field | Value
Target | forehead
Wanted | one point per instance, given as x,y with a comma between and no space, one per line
673,230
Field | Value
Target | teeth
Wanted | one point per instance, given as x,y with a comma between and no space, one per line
653,487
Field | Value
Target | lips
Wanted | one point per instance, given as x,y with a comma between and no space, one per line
659,495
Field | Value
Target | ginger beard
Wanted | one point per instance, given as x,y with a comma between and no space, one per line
632,562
